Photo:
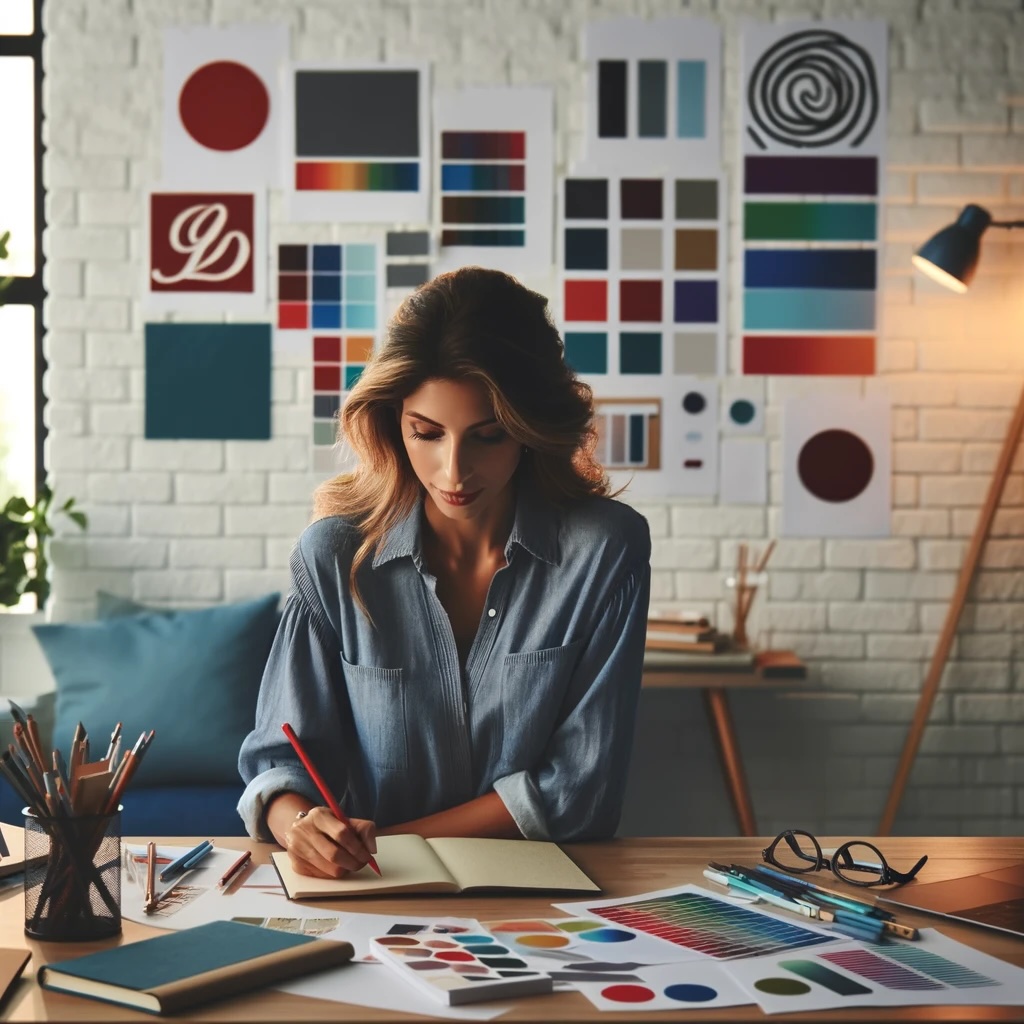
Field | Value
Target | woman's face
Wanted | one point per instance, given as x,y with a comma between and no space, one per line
457,449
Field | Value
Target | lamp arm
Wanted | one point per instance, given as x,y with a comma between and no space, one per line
1007,224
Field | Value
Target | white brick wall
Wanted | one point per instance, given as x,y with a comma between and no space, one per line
193,522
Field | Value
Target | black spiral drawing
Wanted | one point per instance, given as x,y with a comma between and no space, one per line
812,89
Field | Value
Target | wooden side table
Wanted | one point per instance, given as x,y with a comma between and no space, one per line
666,670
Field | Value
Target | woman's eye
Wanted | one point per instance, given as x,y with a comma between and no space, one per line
492,438
424,437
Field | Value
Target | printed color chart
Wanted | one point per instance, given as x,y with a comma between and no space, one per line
653,97
359,146
812,152
496,154
705,924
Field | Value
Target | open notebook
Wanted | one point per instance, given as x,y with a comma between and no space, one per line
410,863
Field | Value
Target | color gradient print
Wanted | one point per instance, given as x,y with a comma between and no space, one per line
461,968
495,158
690,918
812,197
360,149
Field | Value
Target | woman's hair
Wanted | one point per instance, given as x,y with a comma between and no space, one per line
469,324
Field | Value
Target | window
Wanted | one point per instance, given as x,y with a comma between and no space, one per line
21,213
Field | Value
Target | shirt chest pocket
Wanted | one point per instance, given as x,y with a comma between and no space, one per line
377,698
533,690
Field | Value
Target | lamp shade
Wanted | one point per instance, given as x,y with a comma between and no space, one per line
951,255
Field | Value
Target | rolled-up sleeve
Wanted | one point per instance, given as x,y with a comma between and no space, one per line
577,791
301,685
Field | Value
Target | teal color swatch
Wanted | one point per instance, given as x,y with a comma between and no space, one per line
690,89
808,309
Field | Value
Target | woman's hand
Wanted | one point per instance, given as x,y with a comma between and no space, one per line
320,845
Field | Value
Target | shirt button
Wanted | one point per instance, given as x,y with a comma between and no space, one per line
491,613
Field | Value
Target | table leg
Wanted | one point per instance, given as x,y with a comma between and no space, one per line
716,703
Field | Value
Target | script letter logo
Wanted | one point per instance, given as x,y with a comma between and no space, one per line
198,233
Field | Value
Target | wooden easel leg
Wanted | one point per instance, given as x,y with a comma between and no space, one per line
716,703
956,606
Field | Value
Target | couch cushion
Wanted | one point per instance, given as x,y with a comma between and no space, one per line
194,676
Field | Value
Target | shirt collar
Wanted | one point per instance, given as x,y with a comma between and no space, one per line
535,529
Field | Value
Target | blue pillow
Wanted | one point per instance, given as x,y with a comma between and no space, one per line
194,676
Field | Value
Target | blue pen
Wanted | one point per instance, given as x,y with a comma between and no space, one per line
197,857
176,866
846,902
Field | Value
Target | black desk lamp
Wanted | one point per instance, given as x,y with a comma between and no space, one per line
950,257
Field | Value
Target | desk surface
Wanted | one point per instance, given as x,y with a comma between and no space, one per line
622,867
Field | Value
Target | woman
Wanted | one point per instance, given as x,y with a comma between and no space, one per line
462,648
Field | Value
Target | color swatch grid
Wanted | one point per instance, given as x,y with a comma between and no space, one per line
811,204
710,926
327,287
628,432
483,184
641,261
338,361
637,95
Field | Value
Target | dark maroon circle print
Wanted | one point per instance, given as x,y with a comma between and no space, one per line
835,465
224,106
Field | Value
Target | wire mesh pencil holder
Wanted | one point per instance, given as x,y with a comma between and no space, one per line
73,892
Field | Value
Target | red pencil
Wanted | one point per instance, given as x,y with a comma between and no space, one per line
320,784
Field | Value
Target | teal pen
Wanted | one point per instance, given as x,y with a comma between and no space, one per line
175,866
197,857
743,885
847,902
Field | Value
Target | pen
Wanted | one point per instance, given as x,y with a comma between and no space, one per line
320,784
201,854
176,865
849,902
732,882
150,872
163,894
235,870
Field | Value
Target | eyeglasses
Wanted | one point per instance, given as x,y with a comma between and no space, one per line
856,861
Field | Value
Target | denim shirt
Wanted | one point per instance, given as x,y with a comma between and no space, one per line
542,712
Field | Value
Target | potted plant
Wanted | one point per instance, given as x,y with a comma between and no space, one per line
24,531
25,528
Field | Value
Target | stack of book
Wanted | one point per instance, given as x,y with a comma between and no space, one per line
682,632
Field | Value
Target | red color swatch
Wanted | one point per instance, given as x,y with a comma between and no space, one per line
586,300
326,378
810,354
327,350
640,301
293,316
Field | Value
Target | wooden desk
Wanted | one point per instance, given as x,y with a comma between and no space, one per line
662,670
623,867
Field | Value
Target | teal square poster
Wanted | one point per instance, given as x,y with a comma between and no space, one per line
208,382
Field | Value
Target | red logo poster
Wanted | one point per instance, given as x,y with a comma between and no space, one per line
202,242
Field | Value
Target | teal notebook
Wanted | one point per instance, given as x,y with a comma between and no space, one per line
182,969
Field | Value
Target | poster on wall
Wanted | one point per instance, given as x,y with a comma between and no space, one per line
837,467
329,316
641,262
222,106
813,135
653,94
207,251
495,152
357,142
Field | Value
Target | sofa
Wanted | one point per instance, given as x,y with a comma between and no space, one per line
192,676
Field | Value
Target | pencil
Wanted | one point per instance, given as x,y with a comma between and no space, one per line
320,784
150,872
235,870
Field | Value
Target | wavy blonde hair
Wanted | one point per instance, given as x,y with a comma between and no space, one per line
469,324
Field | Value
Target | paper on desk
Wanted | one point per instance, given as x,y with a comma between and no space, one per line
374,985
696,985
935,970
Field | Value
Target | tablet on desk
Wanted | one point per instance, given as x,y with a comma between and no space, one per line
994,899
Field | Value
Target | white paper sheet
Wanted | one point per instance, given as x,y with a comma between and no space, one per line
743,406
507,110
695,41
836,472
743,472
689,986
257,53
934,970
364,203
